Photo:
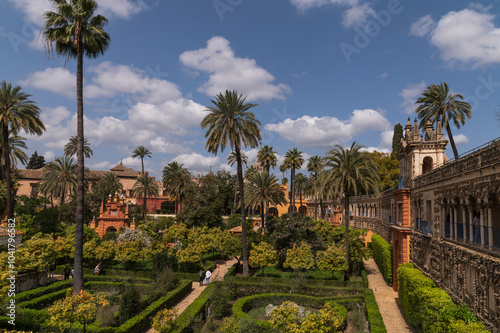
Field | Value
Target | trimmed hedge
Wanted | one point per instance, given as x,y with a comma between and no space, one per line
40,291
429,308
184,321
382,254
373,313
310,282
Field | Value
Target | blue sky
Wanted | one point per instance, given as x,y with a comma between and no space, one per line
323,72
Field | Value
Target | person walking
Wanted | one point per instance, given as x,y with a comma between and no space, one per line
207,276
67,271
201,276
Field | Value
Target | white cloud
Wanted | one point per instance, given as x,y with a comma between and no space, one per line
410,95
386,139
34,9
422,26
57,80
326,132
306,4
49,156
467,37
197,163
54,116
104,165
383,75
357,15
229,72
460,139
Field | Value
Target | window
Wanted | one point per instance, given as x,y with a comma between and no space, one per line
427,164
428,210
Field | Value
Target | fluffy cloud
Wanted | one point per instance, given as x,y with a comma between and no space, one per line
422,26
410,95
357,15
466,37
327,131
226,71
33,9
49,156
197,163
460,139
57,80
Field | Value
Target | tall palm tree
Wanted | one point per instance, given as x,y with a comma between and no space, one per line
144,187
16,145
251,170
300,184
293,160
230,122
264,188
267,159
142,152
17,112
231,159
315,166
176,180
71,147
438,104
59,179
108,185
76,31
347,172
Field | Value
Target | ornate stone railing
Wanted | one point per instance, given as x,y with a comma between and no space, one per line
481,158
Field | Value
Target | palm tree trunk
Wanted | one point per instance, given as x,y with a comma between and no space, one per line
78,264
292,185
144,205
316,207
262,216
300,194
452,142
243,215
60,208
6,155
321,208
347,272
265,218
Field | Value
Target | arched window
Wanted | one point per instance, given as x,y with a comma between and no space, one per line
427,165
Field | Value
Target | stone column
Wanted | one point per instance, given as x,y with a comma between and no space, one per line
455,222
443,222
464,225
490,228
471,224
482,228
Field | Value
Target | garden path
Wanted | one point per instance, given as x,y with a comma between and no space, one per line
217,275
386,300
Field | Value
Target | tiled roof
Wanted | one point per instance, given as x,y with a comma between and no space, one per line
119,167
128,173
31,173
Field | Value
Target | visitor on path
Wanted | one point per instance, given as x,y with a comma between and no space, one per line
207,276
201,275
98,269
67,271
52,269
477,228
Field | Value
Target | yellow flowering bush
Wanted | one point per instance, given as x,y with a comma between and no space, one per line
81,308
164,321
286,317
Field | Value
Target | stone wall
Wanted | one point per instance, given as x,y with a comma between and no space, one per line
467,275
376,225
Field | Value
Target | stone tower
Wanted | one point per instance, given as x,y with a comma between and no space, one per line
420,152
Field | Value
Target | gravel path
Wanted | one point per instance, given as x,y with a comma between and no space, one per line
386,300
217,274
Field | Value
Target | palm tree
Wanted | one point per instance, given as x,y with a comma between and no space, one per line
315,166
76,31
267,159
230,122
231,159
59,179
17,112
142,152
264,188
251,170
300,184
293,160
347,172
144,187
176,180
437,104
16,144
108,185
71,147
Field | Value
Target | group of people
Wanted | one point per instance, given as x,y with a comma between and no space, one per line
68,271
205,276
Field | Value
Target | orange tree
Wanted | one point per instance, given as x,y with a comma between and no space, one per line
81,307
263,255
299,258
332,259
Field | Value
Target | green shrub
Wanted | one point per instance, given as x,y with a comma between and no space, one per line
382,254
429,308
129,303
373,313
219,301
184,321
